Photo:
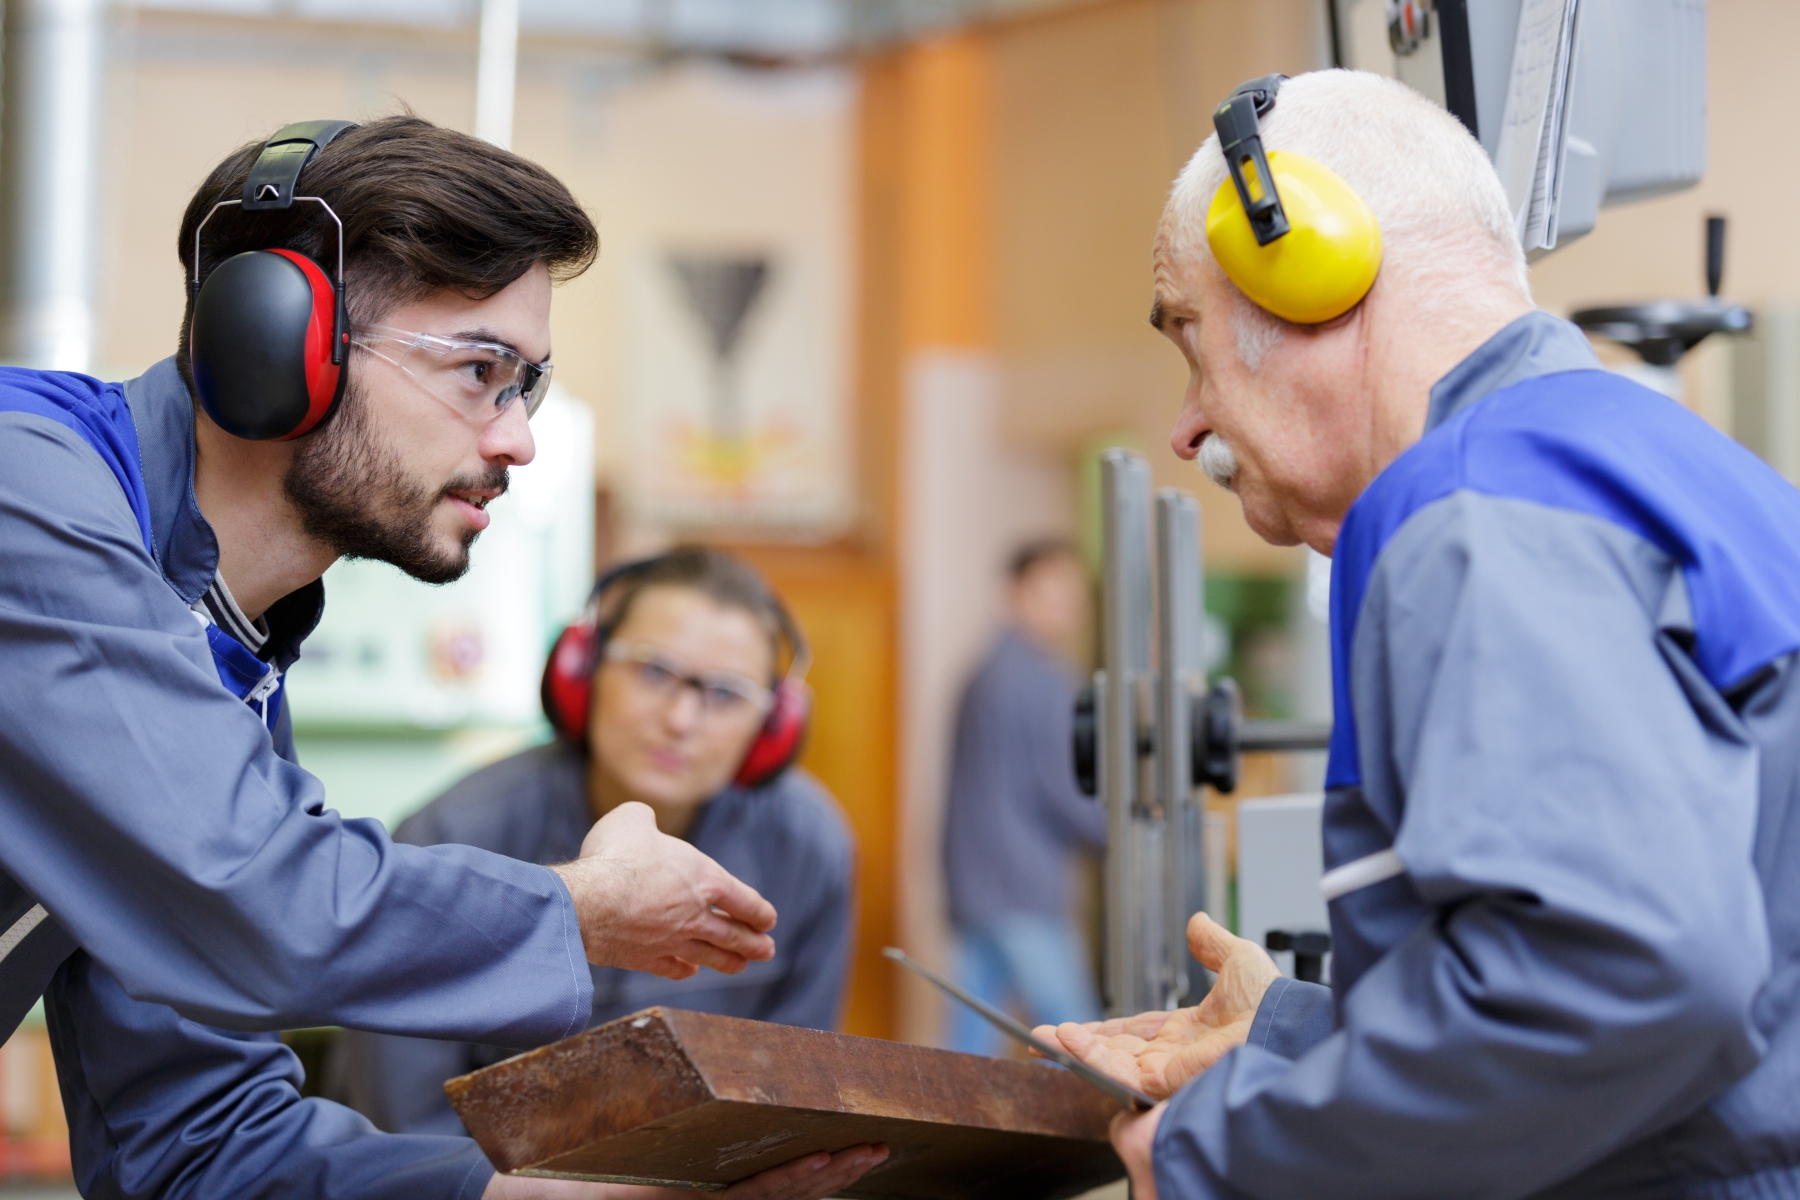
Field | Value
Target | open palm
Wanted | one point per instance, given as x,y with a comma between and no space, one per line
1158,1052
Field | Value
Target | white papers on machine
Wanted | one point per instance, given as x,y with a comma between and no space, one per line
1535,124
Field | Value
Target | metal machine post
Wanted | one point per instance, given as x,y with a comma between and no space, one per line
1133,866
1180,686
1150,733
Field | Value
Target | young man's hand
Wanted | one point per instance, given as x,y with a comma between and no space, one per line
811,1178
650,902
1158,1052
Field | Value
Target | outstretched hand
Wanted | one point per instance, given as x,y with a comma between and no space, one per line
1158,1052
650,902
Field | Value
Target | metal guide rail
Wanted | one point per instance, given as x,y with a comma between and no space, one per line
1150,733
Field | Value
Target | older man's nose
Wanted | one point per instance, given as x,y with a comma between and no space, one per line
1190,428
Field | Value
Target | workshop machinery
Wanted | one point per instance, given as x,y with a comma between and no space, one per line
1151,732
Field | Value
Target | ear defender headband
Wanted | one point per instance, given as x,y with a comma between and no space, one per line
270,330
1291,234
568,685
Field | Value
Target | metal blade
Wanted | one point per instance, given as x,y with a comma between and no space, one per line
1123,1093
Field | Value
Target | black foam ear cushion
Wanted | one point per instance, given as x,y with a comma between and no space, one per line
261,323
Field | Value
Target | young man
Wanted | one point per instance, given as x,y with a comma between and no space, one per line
1560,829
1015,821
677,697
157,843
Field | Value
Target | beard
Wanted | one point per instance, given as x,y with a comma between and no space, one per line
355,495
1218,461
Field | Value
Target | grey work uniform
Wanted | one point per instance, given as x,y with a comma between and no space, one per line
161,851
1561,836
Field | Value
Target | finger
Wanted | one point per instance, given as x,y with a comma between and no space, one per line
846,1168
1209,941
670,967
703,954
733,937
1133,1134
1076,1039
738,900
811,1178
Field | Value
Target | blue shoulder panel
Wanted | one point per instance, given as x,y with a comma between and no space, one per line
1595,443
94,410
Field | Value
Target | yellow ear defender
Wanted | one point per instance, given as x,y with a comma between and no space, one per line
1291,234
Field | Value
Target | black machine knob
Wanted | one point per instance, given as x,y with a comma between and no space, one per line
1214,721
1086,743
1310,948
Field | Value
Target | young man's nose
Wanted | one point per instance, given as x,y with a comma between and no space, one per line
507,440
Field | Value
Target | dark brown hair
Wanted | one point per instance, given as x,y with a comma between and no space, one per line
722,578
424,209
1026,558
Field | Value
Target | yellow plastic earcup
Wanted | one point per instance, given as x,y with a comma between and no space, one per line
1322,266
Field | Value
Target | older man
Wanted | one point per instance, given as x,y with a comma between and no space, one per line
1561,836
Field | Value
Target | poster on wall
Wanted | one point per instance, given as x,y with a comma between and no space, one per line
738,316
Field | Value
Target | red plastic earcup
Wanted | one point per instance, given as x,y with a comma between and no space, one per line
260,345
568,686
778,743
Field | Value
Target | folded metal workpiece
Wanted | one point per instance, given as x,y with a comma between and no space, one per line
701,1101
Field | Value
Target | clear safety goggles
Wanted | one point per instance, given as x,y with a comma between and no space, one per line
478,379
723,694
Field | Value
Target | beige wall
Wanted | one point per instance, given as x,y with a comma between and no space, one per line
1095,110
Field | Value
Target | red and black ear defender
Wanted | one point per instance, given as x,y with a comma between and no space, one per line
270,331
568,687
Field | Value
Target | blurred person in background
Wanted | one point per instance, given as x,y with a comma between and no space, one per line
682,664
1016,823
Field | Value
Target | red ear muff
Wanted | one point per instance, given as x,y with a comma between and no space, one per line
260,345
778,743
568,686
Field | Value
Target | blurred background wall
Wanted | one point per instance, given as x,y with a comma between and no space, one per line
951,205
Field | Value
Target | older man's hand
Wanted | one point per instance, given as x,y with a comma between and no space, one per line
1158,1052
650,902
1133,1137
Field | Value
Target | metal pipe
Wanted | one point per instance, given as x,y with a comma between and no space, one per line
1132,897
496,71
1256,736
54,70
1181,678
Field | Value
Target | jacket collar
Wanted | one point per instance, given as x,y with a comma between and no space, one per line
186,548
1534,344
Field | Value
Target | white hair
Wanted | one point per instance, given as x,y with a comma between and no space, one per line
1445,223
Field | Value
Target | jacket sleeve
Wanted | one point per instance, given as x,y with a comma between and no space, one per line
145,807
398,1082
162,1107
1578,813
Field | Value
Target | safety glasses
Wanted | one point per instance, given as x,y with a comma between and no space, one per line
723,694
480,380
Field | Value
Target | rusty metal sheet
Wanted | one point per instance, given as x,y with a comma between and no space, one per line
697,1100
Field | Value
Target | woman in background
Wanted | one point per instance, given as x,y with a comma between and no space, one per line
672,692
